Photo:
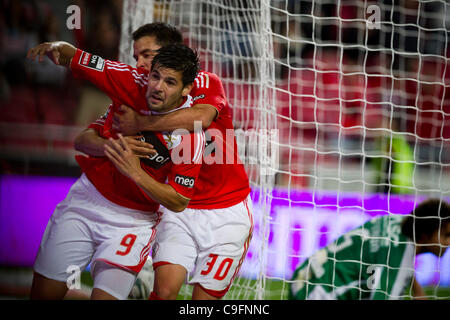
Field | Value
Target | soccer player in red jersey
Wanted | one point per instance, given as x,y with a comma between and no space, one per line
213,235
221,200
109,218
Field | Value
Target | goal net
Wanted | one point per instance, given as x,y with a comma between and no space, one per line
341,113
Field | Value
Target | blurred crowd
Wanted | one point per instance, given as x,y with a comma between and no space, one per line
346,91
45,93
339,71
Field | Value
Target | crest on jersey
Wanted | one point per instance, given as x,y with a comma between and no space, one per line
172,140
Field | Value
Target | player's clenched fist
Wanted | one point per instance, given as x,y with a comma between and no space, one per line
59,52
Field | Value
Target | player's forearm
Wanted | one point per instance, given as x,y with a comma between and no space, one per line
181,119
90,143
161,192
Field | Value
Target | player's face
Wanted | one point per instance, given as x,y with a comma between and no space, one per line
144,49
440,241
165,90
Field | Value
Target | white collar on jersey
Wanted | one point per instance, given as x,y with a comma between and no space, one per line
185,105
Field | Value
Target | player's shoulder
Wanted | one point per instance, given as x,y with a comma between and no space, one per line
206,79
117,66
207,73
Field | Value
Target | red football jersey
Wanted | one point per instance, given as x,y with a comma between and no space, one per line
222,181
102,173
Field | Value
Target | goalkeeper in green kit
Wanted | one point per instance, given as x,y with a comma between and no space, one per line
376,260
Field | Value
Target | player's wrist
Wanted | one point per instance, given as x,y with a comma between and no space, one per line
138,177
66,51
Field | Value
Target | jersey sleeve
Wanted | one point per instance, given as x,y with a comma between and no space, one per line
122,83
187,158
208,89
99,124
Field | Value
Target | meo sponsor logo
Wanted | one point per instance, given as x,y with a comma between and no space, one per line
185,181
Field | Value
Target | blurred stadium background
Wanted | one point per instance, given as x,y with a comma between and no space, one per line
362,118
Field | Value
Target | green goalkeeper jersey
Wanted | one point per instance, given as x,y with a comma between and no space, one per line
374,261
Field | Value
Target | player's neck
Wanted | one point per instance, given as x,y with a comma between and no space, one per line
175,105
184,102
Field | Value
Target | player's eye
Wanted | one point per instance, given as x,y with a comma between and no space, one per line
154,76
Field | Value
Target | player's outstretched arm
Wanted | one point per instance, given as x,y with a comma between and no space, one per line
120,154
184,118
208,101
181,119
122,83
60,52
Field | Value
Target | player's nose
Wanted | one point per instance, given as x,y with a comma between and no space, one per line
157,85
140,62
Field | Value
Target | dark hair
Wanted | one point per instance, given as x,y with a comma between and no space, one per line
178,57
426,218
164,33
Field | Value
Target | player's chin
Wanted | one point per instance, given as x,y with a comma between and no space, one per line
155,105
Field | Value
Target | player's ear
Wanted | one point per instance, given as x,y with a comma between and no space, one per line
187,89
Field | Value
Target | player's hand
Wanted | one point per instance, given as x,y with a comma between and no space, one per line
140,148
127,121
59,52
123,158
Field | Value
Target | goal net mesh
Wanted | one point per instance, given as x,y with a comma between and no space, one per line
341,111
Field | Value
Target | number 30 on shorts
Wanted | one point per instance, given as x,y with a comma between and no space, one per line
222,270
127,242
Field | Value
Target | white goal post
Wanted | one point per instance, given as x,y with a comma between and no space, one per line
341,111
